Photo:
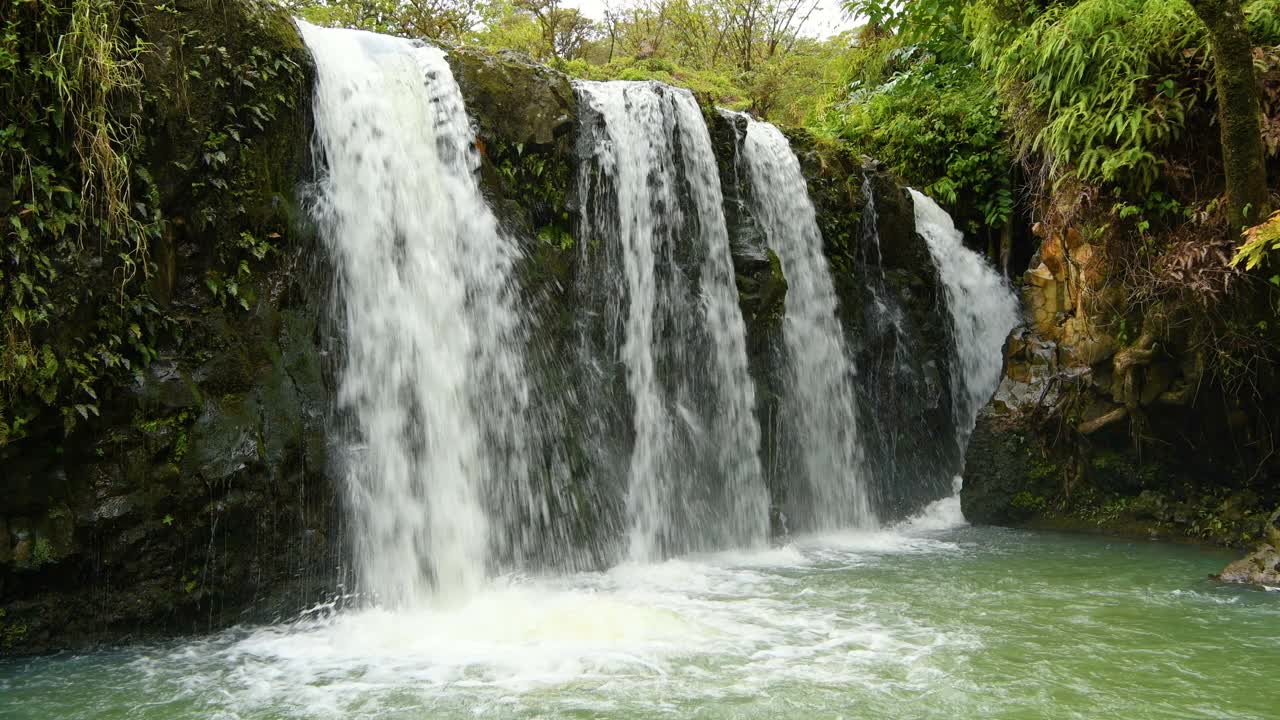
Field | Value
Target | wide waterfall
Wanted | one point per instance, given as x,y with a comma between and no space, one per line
659,278
581,401
432,380
821,397
983,311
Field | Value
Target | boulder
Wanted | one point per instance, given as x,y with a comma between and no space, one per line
1261,567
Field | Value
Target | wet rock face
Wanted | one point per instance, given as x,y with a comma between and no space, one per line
1007,479
201,497
208,493
1137,437
892,307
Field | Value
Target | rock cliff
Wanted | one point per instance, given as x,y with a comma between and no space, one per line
205,494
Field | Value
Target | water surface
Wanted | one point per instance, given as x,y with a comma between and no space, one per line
910,623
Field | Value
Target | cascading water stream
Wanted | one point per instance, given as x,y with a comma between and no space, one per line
433,379
657,266
983,311
821,396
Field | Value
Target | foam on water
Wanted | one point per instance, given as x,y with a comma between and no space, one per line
594,639
965,623
941,514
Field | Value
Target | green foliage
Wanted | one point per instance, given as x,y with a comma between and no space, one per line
1028,502
11,633
507,28
81,209
72,205
937,125
1091,94
1263,18
1260,242
1100,86
41,552
175,426
540,179
937,25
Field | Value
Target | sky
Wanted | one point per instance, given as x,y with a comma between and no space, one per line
827,20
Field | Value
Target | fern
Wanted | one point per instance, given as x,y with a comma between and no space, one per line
1260,242
1104,81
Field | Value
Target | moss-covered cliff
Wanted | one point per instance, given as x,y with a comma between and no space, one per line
198,492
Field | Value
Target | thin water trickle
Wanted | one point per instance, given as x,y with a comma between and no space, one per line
656,260
821,397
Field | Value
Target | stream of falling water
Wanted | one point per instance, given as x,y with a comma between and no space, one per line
656,259
820,389
433,379
983,311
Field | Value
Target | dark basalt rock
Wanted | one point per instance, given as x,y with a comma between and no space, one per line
206,494
1007,478
200,498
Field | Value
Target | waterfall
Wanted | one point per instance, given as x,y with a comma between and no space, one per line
821,396
983,311
657,272
432,381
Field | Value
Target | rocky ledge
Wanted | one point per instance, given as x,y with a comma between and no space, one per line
1098,427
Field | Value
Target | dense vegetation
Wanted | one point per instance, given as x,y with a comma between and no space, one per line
82,286
1095,118
1142,128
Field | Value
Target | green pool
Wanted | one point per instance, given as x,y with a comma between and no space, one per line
911,623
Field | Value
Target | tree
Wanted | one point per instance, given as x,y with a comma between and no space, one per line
564,30
448,19
375,15
1239,112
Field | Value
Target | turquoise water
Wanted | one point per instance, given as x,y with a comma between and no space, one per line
912,623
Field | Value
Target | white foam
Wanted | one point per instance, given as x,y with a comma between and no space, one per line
939,515
595,641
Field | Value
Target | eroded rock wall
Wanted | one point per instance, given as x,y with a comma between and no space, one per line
1106,418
